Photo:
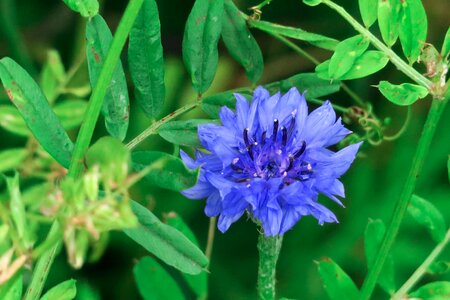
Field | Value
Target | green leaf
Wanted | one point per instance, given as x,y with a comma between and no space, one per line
389,20
211,105
169,171
368,9
165,242
116,104
312,2
446,44
337,283
345,56
296,33
12,289
373,236
52,76
11,159
86,292
182,132
145,58
154,282
12,121
413,29
71,112
26,95
200,39
66,290
403,94
240,42
426,214
368,63
198,283
439,267
438,290
448,167
86,8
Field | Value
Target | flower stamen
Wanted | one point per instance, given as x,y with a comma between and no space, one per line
275,130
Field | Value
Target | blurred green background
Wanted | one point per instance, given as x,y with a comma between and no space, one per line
28,28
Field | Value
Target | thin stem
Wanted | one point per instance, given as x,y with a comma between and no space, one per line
269,250
152,129
437,107
417,275
394,58
404,127
210,241
261,5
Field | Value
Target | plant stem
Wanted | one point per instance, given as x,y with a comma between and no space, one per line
437,107
404,126
394,58
152,129
269,250
44,263
417,275
210,241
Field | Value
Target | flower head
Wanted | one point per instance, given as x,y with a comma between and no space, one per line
270,159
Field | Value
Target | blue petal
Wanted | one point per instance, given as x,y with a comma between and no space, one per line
213,204
227,117
188,161
265,112
225,221
242,108
199,191
290,217
318,122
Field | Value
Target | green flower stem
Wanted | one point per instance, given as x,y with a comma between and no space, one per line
437,107
394,58
269,250
417,275
152,129
44,263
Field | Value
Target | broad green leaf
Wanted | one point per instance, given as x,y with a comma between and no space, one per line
389,20
116,104
12,289
373,236
426,214
154,282
71,112
26,95
52,76
312,2
403,94
182,132
368,63
446,44
11,159
438,290
240,42
86,8
198,283
66,290
368,9
345,55
211,105
439,267
337,283
169,172
145,58
296,33
413,29
165,242
12,121
200,39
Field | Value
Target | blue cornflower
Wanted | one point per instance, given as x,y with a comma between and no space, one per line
270,159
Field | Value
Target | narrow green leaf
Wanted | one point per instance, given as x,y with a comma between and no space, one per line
26,95
413,29
337,283
198,283
296,33
182,132
403,94
438,290
169,171
12,121
66,290
86,8
368,9
201,36
211,105
426,214
368,63
154,282
389,20
446,45
165,242
345,56
312,2
373,236
145,58
11,159
240,42
116,105
70,112
12,289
